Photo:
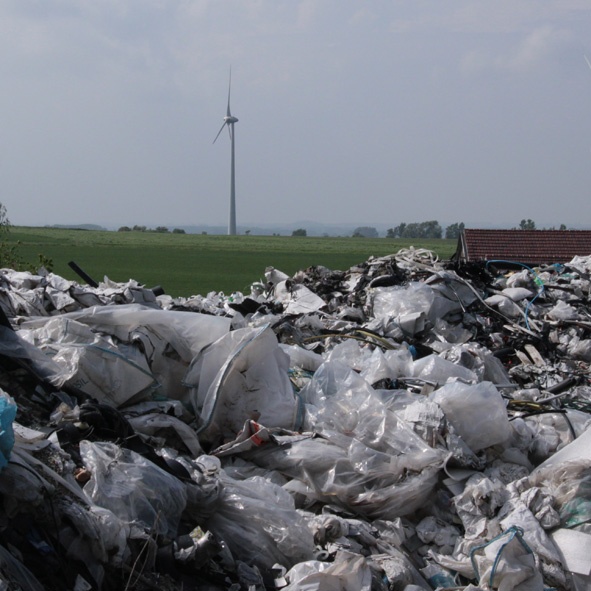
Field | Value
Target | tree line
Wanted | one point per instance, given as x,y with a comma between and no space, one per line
432,230
159,229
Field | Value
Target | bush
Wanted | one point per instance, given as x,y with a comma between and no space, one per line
9,255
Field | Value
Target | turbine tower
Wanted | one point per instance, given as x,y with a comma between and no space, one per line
229,120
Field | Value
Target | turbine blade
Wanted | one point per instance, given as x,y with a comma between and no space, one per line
220,131
229,87
587,60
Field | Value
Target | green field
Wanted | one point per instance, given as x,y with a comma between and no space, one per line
191,264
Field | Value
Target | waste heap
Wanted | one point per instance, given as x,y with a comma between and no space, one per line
403,425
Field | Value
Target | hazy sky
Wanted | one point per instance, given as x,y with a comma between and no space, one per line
363,112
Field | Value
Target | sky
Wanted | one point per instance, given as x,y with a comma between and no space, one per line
364,112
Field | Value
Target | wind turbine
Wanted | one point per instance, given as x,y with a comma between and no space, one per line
229,120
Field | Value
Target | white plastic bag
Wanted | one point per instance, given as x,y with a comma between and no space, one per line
259,523
477,412
348,572
243,375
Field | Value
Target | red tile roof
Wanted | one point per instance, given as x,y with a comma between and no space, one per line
525,246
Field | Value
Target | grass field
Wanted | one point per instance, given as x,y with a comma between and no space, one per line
190,264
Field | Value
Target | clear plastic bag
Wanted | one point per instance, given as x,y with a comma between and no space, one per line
340,400
438,370
132,487
338,469
397,302
258,522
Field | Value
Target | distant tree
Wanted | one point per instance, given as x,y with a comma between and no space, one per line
161,229
562,227
299,232
365,232
399,231
204,233
527,225
178,231
247,232
139,228
454,230
431,229
124,229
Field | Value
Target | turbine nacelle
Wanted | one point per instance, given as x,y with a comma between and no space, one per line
229,119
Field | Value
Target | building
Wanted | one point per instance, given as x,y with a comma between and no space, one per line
531,247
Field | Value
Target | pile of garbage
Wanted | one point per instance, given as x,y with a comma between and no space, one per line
403,425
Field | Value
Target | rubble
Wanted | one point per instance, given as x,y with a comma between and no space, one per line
404,425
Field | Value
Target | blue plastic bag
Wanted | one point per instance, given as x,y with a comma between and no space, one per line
7,416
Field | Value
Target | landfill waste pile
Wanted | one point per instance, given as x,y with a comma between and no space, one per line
404,425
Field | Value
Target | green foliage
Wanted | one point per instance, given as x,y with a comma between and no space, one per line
299,232
453,231
161,229
527,225
365,232
139,228
124,229
423,230
178,231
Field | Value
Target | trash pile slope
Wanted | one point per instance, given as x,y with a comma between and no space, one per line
401,425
